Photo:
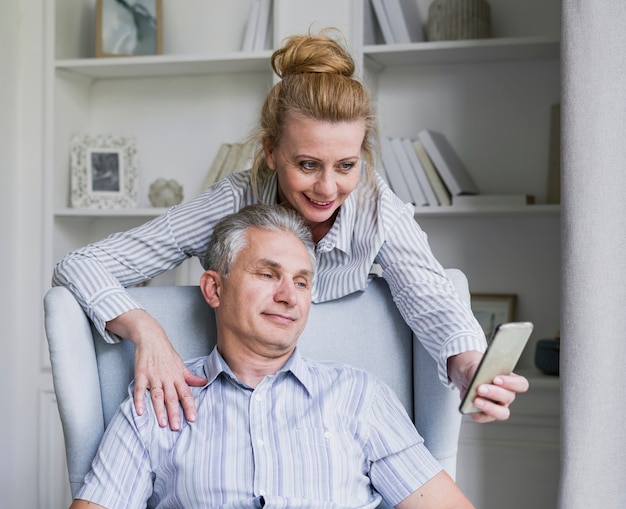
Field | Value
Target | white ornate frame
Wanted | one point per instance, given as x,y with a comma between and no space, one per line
82,193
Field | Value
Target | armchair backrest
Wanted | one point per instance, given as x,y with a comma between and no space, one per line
364,329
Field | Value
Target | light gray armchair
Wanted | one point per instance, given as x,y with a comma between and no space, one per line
363,329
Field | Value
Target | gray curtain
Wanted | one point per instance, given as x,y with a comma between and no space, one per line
593,322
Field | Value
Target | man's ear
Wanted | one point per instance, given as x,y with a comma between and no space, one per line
210,284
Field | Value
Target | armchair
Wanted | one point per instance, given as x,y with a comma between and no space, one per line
364,329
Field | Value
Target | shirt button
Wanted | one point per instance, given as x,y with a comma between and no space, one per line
257,397
327,434
260,442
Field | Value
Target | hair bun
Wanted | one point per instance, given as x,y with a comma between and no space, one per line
312,54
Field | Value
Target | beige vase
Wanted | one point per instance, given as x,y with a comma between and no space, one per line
458,19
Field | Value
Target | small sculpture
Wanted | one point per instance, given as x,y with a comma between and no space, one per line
165,193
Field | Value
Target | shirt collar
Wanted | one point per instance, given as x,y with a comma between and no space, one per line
268,189
215,365
340,234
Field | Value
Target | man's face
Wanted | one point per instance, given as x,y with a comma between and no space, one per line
265,301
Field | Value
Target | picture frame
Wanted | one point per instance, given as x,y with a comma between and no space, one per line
104,172
493,309
129,28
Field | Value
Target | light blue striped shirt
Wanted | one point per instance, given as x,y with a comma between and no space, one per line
373,226
315,435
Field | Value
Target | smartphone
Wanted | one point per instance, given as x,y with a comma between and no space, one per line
503,352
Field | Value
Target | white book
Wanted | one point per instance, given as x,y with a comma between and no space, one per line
405,166
244,157
371,29
413,20
420,173
216,165
394,175
447,163
383,21
383,173
251,26
443,195
395,15
269,36
263,26
231,159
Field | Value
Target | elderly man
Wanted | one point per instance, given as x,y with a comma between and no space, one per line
273,429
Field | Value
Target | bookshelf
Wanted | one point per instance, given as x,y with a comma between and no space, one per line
164,65
490,97
486,210
204,91
201,92
468,51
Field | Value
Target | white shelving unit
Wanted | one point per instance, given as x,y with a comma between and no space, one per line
464,51
159,66
490,97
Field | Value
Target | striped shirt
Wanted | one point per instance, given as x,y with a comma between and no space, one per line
314,435
373,226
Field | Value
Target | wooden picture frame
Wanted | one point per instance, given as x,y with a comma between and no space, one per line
104,172
129,28
493,309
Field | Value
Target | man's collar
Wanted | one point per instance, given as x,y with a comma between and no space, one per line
216,365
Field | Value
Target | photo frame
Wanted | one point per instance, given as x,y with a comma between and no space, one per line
128,28
104,172
493,309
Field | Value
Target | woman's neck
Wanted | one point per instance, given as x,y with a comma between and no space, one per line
319,230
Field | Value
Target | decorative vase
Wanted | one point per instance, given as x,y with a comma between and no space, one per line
165,193
547,356
458,19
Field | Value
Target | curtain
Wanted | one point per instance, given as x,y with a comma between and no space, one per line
593,236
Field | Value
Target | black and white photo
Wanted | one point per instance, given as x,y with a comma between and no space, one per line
104,171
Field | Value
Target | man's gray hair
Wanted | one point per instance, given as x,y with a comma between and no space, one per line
230,234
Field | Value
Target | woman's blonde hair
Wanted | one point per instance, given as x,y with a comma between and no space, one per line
317,82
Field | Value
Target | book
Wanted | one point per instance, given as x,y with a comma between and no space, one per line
420,173
229,163
269,36
418,197
243,161
404,20
382,172
371,28
413,20
262,32
396,180
447,162
216,165
442,193
383,21
251,26
492,200
396,21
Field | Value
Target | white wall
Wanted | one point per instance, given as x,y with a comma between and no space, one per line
8,188
20,259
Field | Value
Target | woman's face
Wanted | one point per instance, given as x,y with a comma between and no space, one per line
318,166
